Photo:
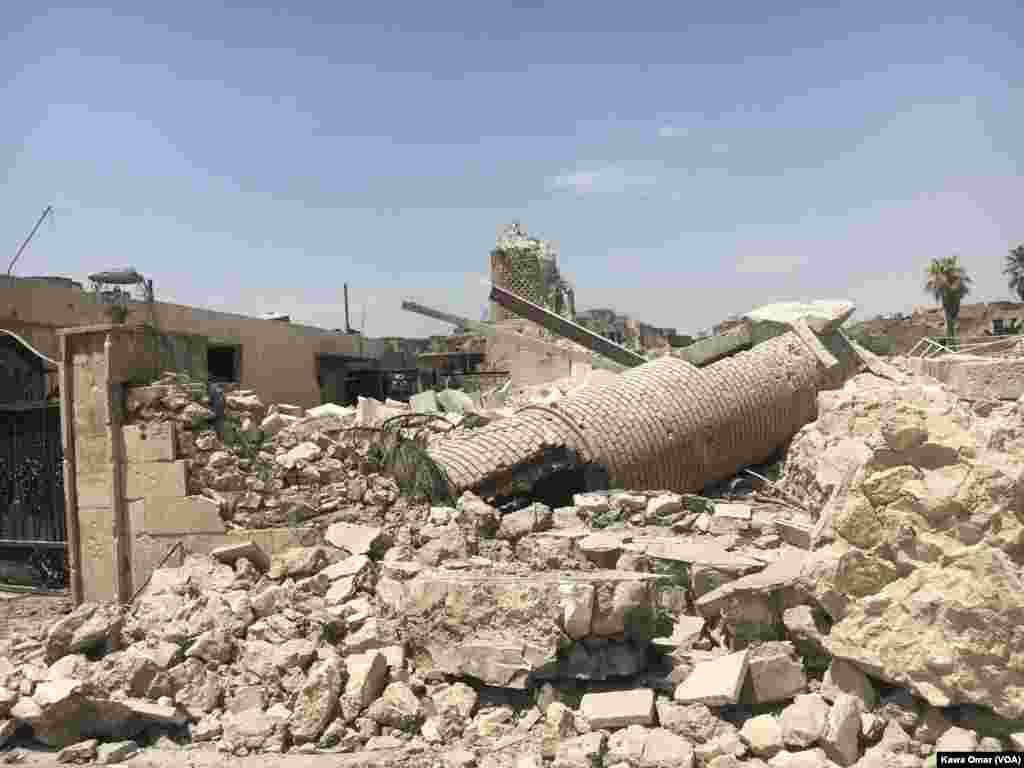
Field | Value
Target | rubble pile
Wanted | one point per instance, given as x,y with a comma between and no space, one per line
268,465
921,536
638,628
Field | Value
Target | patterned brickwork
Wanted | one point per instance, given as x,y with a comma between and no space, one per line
517,270
665,424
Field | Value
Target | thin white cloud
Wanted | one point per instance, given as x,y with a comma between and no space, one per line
672,131
609,179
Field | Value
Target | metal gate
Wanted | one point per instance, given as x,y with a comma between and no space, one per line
33,540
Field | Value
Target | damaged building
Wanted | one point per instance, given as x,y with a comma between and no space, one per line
711,557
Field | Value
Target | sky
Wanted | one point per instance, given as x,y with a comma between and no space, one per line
689,160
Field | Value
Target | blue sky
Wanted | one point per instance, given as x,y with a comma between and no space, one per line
690,160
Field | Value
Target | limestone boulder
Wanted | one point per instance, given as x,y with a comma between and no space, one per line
942,606
254,730
397,707
90,627
805,721
63,714
316,701
763,734
921,535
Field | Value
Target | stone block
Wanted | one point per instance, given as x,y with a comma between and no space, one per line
704,553
715,683
96,537
578,601
781,575
794,533
149,442
155,479
618,709
167,514
776,677
93,453
95,489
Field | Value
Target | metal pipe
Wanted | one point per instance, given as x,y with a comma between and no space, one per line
528,342
436,314
566,328
348,327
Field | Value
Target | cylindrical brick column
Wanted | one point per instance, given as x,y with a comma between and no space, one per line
664,425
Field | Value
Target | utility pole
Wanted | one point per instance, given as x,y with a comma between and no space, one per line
46,212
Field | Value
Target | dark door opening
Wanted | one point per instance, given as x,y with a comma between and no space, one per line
223,363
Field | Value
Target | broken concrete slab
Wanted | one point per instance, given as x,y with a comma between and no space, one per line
781,575
823,317
354,539
618,709
705,553
715,683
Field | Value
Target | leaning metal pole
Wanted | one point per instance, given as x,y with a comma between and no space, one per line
566,328
664,425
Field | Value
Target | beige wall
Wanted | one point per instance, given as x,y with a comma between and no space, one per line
278,359
126,497
527,366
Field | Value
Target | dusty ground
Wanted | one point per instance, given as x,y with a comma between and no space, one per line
208,757
25,613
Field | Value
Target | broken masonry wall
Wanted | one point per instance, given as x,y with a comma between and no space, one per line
179,463
241,470
101,474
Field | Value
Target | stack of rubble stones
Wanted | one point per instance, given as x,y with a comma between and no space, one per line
265,466
638,629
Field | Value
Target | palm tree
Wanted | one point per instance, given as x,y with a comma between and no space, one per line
1015,270
948,282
